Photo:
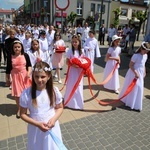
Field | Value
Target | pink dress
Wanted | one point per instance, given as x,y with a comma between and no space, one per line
58,58
20,81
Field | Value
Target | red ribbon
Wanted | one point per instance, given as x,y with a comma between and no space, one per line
90,75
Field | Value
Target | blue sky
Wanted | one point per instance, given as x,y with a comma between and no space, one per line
8,4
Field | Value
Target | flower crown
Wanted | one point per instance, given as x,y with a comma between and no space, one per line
42,69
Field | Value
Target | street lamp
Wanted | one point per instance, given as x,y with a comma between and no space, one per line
100,20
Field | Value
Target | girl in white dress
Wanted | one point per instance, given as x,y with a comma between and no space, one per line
76,102
91,48
35,53
44,103
113,57
137,70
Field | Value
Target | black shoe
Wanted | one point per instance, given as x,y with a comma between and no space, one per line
17,116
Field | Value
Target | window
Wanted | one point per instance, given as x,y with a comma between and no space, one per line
45,4
79,8
92,7
99,8
124,12
38,5
8,16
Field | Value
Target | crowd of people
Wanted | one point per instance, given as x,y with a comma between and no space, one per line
34,57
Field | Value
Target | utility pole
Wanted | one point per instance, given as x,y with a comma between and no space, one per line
100,20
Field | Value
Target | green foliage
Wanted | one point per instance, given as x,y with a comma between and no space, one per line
90,20
71,18
117,13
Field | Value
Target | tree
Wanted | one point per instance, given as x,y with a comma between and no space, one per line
91,21
142,17
117,13
71,18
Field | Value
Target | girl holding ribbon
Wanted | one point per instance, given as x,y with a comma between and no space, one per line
44,103
137,70
113,57
76,101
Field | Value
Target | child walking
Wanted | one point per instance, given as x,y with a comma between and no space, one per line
113,57
91,48
58,58
136,70
19,67
44,103
76,102
35,53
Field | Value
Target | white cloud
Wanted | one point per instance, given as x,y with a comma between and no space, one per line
15,2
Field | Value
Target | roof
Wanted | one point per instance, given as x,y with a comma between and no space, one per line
5,11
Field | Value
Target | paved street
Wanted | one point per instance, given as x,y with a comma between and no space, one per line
96,127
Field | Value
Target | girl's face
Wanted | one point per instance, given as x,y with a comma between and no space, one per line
75,43
116,42
143,51
91,35
40,79
12,35
27,36
57,36
35,45
17,48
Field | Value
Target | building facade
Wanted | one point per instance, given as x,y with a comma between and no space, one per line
5,16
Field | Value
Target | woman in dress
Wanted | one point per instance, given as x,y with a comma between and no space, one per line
113,57
136,70
19,67
44,103
76,102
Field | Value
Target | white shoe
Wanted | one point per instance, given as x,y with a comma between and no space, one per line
117,92
55,76
60,81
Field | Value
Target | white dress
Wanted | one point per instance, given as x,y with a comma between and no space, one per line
135,98
37,139
76,101
92,50
113,83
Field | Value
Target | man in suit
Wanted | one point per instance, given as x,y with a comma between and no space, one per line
132,38
2,48
102,32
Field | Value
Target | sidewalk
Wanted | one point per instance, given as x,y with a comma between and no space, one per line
95,128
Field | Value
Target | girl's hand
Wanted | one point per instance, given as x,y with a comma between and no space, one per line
136,74
76,66
8,83
38,59
28,75
51,123
43,126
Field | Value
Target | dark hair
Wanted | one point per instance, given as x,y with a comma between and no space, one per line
92,31
34,40
145,45
49,84
57,33
79,46
17,42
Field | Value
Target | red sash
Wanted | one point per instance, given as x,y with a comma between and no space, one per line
85,63
60,49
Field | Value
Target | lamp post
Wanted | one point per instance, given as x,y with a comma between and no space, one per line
100,20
